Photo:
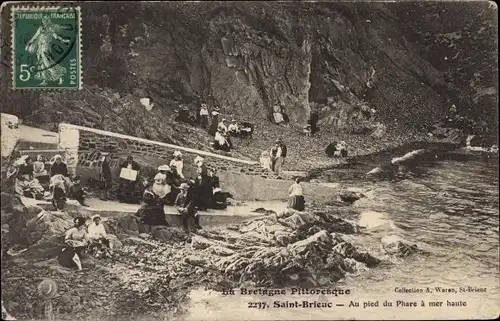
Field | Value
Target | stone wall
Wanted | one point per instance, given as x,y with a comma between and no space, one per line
84,148
10,133
251,188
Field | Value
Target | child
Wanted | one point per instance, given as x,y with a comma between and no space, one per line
77,191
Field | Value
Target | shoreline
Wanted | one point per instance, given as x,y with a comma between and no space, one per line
165,264
185,265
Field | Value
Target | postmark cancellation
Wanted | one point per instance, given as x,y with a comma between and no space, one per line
46,47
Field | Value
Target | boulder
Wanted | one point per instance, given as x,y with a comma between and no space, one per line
132,240
349,196
303,246
115,242
195,260
34,225
128,224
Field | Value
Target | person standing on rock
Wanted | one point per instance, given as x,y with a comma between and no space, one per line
127,186
215,122
296,199
278,154
275,154
204,116
313,122
105,177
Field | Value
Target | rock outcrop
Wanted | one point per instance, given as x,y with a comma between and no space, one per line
361,66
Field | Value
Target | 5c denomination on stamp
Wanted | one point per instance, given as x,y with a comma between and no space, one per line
46,48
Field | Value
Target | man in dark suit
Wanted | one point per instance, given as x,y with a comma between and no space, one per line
126,186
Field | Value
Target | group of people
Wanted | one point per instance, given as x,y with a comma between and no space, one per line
219,129
280,116
83,239
170,187
53,182
274,158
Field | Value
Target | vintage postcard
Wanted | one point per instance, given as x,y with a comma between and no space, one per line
259,160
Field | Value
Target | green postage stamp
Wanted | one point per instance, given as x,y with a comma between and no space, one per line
46,48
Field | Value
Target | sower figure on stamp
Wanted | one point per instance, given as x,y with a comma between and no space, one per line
40,43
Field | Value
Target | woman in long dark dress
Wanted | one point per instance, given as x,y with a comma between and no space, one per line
215,123
296,199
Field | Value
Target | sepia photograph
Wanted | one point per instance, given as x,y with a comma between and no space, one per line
253,160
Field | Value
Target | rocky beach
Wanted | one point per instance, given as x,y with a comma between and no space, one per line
153,268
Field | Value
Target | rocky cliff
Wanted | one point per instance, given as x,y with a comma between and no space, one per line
407,61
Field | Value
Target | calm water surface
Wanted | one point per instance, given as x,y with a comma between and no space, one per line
450,210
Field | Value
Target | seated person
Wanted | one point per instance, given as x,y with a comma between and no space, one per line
219,199
336,149
342,149
185,205
178,163
39,167
77,192
277,115
58,167
77,240
29,187
98,237
307,130
221,142
245,129
160,186
174,180
286,119
222,126
184,116
233,129
152,211
25,167
58,190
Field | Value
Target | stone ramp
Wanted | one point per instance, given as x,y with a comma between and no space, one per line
38,135
109,209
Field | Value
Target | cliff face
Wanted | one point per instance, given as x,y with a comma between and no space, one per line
337,58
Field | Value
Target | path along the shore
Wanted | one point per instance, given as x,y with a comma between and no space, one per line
110,209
